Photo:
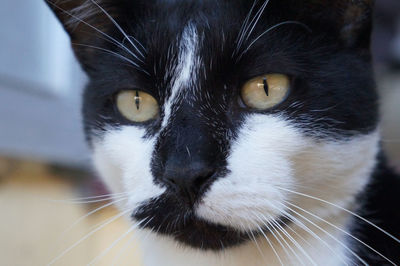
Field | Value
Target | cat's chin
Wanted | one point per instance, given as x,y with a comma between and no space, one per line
169,216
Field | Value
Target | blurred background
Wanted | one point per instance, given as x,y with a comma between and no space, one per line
44,161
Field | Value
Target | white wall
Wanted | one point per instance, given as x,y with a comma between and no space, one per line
40,86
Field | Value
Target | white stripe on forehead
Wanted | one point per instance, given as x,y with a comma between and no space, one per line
185,71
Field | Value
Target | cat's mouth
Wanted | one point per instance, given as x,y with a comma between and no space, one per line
168,215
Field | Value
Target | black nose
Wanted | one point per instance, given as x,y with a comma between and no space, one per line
188,181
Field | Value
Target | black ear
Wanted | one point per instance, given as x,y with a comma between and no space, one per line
83,19
92,27
351,20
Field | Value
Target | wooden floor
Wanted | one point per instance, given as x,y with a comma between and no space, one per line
33,226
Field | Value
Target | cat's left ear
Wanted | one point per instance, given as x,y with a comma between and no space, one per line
351,19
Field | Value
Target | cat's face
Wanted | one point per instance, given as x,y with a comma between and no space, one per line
182,115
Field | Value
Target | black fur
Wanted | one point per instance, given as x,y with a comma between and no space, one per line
332,92
379,204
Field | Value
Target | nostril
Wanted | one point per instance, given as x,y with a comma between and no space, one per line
202,180
188,184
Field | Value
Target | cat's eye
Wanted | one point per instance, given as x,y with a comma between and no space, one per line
266,91
136,105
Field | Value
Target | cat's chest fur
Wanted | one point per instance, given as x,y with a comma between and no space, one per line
237,132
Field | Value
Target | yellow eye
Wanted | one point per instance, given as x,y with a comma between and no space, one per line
266,91
137,106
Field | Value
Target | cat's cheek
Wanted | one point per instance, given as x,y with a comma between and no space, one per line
259,164
336,171
122,157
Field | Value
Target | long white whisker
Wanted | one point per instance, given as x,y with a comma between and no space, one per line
87,236
271,229
270,244
88,214
330,235
343,209
256,18
268,30
120,29
113,53
109,196
243,28
266,237
133,227
250,234
115,42
296,244
343,231
88,201
274,224
137,41
124,248
111,246
308,230
294,231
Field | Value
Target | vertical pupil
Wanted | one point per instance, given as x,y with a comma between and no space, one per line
137,100
266,88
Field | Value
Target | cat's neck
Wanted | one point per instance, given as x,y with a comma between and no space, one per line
320,245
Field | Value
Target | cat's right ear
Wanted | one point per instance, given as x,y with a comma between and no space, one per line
67,13
83,18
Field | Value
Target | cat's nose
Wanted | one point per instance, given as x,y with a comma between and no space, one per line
188,182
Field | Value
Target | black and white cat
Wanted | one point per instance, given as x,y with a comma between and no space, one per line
238,132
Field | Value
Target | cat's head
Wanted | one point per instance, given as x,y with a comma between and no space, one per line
214,118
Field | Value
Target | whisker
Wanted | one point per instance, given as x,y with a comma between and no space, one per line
97,197
122,251
296,244
242,29
108,221
87,201
343,209
270,244
88,214
266,237
133,227
114,41
114,54
256,18
343,231
252,24
250,234
137,41
111,246
308,230
120,29
278,230
270,29
271,229
330,235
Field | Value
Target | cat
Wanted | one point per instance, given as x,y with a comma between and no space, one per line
237,132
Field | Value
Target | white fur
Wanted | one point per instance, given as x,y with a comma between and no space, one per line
259,160
269,153
185,71
122,157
